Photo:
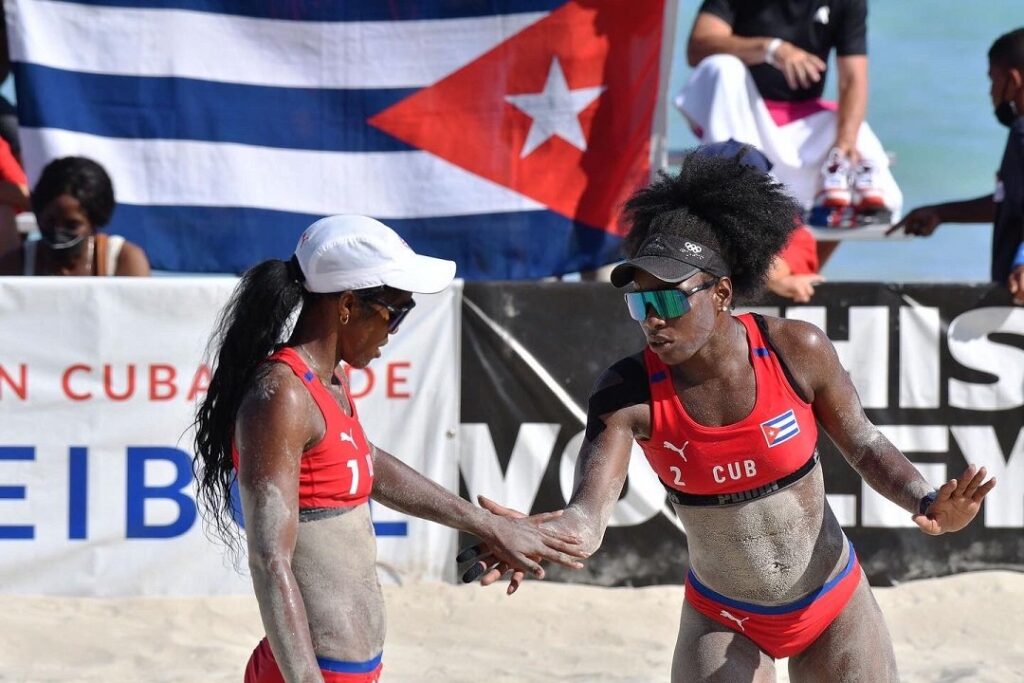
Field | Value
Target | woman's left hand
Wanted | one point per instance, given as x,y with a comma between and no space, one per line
957,503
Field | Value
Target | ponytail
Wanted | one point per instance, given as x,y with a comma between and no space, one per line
250,325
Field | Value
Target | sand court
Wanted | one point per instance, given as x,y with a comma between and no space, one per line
959,628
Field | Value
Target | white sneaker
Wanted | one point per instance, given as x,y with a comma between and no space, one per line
867,195
835,181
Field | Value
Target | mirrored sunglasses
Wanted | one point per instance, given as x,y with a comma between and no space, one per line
667,303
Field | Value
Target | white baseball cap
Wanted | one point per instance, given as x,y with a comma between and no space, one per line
340,253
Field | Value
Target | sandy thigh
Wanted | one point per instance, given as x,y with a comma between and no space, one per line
855,647
707,652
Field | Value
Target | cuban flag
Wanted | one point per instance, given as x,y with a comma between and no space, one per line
503,134
780,429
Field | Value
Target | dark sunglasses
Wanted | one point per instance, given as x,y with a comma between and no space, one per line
667,303
396,314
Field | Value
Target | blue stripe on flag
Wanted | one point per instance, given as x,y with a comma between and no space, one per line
511,245
783,426
342,10
188,109
786,431
778,421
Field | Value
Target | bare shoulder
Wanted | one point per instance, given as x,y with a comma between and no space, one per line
132,261
276,400
796,338
628,370
808,354
620,397
622,385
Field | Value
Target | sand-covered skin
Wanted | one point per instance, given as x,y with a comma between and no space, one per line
961,628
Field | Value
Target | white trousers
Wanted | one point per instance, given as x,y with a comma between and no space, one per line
721,101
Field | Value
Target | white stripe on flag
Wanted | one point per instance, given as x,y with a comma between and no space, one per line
784,424
233,49
187,172
785,431
781,420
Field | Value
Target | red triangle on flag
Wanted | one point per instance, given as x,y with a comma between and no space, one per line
469,119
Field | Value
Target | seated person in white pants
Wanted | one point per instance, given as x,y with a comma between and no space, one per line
760,73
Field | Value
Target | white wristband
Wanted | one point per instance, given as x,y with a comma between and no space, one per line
769,51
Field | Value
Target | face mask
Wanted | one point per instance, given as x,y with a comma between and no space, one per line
1006,113
63,240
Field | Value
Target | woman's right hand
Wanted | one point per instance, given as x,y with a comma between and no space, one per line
554,540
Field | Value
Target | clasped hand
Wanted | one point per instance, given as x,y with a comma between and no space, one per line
517,545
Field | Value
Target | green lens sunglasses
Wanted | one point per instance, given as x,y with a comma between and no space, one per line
667,303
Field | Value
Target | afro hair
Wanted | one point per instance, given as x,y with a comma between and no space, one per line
740,212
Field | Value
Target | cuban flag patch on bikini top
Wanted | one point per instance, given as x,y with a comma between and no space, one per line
780,429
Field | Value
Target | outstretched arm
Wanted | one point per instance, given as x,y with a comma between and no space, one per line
617,412
924,220
837,407
600,473
520,544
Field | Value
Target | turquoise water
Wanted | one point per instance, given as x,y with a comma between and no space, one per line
929,105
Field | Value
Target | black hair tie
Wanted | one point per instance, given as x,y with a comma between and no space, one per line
294,270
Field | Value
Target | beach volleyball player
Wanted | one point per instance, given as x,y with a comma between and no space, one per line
726,408
279,417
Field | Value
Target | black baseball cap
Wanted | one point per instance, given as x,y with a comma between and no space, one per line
671,258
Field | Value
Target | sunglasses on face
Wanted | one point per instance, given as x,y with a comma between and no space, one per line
667,303
396,314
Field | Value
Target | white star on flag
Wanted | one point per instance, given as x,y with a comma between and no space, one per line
555,110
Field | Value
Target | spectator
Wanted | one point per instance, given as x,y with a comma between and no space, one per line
759,77
73,200
1005,207
794,272
14,197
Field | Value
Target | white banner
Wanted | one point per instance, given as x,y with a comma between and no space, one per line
98,385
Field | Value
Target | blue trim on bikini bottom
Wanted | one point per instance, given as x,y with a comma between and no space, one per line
775,609
339,667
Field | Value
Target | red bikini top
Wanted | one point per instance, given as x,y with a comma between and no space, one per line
337,471
769,448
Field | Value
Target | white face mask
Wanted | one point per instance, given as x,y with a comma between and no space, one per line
63,240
